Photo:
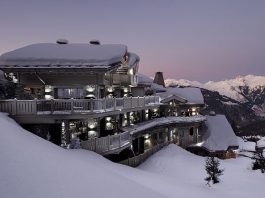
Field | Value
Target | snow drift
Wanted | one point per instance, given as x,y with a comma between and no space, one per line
34,168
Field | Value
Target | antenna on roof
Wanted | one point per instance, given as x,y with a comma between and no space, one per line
94,42
62,41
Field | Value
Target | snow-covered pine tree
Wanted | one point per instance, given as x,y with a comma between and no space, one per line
259,162
213,170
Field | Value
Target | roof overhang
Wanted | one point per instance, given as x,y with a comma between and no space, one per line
174,97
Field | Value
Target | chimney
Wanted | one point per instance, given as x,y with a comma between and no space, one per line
159,79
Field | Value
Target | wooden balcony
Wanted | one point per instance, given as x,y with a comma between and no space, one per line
74,106
108,144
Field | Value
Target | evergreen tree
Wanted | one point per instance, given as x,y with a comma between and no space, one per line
259,162
213,171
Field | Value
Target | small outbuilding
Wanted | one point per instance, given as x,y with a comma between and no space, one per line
219,140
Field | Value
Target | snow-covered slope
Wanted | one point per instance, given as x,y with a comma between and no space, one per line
32,167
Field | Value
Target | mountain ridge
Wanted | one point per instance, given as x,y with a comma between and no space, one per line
248,90
241,99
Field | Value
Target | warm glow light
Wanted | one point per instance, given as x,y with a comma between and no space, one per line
125,90
110,89
109,126
90,96
48,97
92,124
147,136
48,89
131,71
108,119
90,88
92,133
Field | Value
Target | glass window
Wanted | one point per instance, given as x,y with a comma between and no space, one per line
70,93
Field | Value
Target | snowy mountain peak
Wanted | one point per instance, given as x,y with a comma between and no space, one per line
248,89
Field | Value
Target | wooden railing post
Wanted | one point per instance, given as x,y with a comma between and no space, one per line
35,105
108,142
15,107
138,101
104,103
131,102
52,106
91,104
95,141
115,105
72,105
123,102
119,140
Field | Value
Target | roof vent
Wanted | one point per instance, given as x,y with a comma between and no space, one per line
212,113
62,41
95,42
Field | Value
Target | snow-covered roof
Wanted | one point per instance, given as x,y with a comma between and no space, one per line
261,143
148,81
74,54
219,135
192,95
163,121
133,58
143,79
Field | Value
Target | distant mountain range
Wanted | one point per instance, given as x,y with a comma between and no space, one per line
242,100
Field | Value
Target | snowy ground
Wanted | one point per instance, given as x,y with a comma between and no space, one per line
32,167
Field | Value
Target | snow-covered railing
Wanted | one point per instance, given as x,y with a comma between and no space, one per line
74,106
137,160
107,144
146,125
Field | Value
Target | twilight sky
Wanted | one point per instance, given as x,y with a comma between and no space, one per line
191,39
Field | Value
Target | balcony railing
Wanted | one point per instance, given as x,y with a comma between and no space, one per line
107,144
137,160
74,106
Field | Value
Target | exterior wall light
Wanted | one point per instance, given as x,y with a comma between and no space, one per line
126,90
147,136
108,119
92,124
90,88
92,133
131,71
109,126
48,97
194,111
110,89
48,88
